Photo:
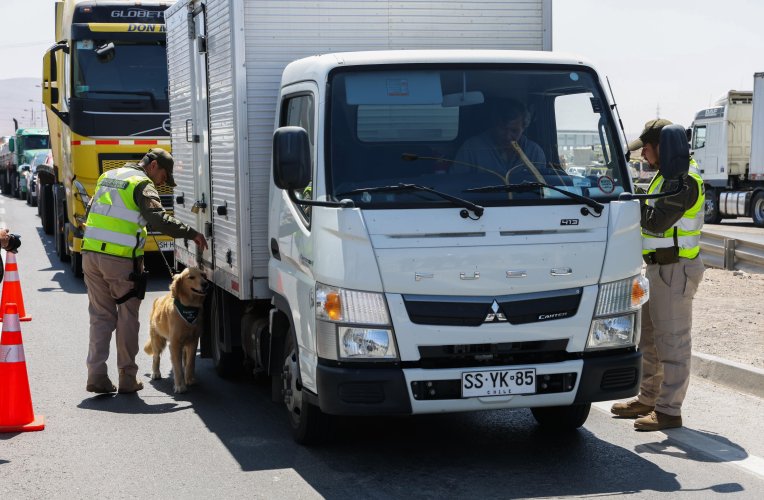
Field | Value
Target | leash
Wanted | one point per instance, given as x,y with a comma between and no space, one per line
172,271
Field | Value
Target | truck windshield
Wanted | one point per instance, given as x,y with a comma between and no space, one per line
458,129
33,142
123,71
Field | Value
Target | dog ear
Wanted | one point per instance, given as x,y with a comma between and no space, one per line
174,285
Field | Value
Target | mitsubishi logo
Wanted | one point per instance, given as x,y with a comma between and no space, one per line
495,315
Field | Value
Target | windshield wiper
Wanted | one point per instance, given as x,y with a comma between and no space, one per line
527,186
476,209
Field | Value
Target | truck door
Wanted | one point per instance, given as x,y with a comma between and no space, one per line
187,59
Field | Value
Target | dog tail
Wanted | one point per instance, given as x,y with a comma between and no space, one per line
147,347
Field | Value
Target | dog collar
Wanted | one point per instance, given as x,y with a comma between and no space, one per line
189,314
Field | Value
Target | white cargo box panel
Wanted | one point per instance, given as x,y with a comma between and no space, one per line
756,166
248,44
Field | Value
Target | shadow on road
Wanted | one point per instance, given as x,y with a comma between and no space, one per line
128,403
494,454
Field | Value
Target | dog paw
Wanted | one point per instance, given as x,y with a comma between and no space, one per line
179,389
191,381
156,376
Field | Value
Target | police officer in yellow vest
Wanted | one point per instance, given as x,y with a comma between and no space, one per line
670,247
125,201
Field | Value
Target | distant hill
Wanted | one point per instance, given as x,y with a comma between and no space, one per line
15,95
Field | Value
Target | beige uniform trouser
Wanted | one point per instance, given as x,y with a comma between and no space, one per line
107,279
665,343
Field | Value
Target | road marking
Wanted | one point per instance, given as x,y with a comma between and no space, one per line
719,450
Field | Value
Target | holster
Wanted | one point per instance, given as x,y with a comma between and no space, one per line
140,279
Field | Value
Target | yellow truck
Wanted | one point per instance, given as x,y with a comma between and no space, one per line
105,92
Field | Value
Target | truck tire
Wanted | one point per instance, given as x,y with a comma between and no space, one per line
227,364
75,262
309,424
46,208
757,209
561,418
59,219
712,213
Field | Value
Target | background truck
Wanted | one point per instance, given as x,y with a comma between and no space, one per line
355,260
728,144
105,95
16,155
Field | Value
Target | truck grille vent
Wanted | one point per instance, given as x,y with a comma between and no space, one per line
110,161
509,353
362,392
620,378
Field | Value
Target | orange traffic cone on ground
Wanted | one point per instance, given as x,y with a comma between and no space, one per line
12,287
16,414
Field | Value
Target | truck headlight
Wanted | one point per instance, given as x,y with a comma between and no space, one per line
616,319
352,325
613,332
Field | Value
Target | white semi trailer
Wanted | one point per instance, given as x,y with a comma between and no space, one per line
728,144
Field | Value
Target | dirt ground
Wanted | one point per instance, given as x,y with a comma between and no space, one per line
728,316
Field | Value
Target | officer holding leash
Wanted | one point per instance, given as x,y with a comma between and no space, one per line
671,228
125,202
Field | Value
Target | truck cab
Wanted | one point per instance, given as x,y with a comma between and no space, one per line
415,281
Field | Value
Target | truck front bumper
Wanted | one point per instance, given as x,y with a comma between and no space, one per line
367,390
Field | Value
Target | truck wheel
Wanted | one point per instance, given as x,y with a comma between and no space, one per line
60,229
226,364
757,209
309,424
75,262
46,208
712,213
561,418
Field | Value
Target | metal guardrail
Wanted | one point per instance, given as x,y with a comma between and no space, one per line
731,253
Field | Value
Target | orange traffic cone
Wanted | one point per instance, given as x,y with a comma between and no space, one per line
12,287
16,414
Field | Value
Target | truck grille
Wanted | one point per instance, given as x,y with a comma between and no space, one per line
509,353
110,161
474,311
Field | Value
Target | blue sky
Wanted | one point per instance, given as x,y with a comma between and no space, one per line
676,55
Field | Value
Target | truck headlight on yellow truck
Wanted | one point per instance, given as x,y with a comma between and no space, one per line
616,316
352,325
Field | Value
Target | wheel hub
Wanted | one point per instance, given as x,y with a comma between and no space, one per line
290,384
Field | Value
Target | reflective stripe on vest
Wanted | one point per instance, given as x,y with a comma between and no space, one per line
685,233
115,225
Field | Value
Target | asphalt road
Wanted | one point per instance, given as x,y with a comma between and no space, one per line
225,439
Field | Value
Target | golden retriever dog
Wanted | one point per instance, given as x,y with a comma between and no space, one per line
177,318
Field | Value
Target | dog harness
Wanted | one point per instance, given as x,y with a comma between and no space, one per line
189,314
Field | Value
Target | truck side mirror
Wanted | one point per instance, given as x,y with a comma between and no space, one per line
11,144
291,158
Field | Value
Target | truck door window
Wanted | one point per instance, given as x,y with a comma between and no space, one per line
699,137
298,111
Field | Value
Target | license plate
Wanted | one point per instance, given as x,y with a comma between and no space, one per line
498,382
166,246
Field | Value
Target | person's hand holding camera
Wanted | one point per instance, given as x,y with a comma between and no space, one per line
8,241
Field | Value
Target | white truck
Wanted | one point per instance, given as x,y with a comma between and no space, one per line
728,144
355,260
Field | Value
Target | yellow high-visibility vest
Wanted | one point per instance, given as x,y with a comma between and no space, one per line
115,225
685,233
